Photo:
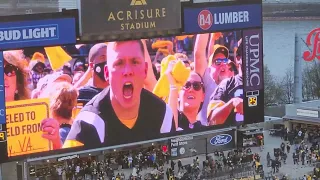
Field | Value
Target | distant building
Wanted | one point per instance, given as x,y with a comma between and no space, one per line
19,7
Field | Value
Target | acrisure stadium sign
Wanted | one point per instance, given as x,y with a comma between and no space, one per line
120,16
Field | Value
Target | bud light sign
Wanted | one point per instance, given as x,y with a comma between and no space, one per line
46,32
221,139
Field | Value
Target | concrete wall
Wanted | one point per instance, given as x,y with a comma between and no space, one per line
9,171
67,4
291,109
291,1
275,111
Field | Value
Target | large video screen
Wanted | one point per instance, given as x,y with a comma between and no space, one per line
88,96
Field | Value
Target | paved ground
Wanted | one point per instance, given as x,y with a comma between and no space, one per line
294,171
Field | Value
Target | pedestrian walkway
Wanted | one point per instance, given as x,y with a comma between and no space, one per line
293,171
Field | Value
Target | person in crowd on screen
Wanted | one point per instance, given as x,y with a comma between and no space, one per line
79,65
63,99
97,60
15,77
46,81
184,58
78,70
187,102
36,71
66,69
213,69
157,64
54,128
226,105
125,111
77,76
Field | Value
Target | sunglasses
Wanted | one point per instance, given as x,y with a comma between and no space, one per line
10,70
196,85
218,62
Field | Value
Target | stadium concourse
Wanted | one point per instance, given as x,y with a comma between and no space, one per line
292,171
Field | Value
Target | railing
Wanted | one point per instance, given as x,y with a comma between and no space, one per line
227,173
291,1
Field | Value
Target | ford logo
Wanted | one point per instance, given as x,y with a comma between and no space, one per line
221,139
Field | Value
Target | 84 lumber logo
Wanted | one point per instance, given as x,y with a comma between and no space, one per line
252,98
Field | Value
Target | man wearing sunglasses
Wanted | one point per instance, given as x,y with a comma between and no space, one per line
97,59
226,105
213,69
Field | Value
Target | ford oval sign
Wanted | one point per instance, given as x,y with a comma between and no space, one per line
221,139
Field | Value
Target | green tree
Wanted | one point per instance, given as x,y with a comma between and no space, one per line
273,91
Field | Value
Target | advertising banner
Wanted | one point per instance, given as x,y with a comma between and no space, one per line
68,157
222,18
221,141
254,83
37,33
253,59
312,41
2,95
127,16
186,146
24,129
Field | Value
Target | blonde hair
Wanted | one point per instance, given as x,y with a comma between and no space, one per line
17,59
181,56
63,99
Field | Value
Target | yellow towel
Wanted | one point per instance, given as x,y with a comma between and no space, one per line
179,72
71,143
180,38
57,57
38,56
162,46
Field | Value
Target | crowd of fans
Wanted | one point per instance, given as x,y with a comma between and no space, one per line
302,145
155,159
93,168
228,164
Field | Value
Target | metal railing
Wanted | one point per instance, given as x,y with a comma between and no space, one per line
240,171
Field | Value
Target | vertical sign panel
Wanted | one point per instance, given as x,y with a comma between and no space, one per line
3,132
2,96
253,71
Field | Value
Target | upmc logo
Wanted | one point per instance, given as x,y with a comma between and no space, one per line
205,19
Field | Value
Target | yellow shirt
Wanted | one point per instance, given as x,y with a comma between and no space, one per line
129,123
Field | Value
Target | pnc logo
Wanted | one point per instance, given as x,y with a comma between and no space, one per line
313,39
205,19
138,2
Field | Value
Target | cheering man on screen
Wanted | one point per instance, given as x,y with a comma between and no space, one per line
123,112
226,105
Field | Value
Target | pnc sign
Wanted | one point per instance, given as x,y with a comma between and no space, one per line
129,16
313,41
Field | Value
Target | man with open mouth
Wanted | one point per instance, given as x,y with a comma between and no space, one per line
123,112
